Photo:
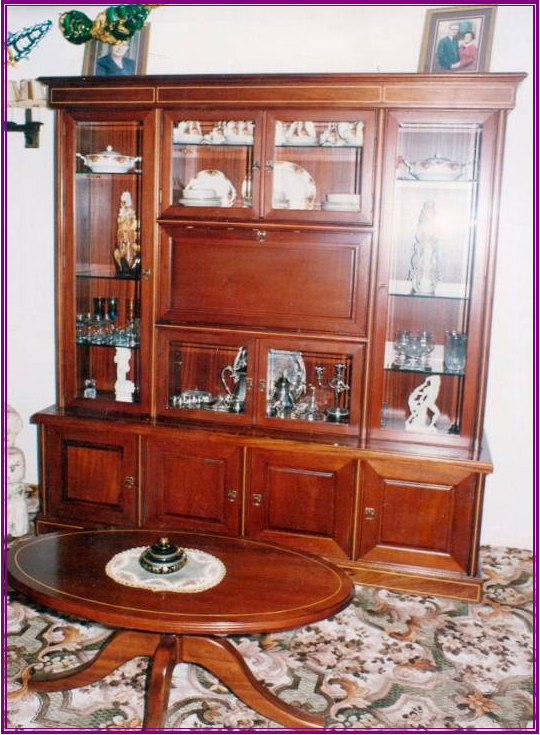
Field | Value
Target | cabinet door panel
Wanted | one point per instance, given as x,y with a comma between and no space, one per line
264,279
193,486
418,516
302,500
91,479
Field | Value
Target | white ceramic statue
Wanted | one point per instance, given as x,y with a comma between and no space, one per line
123,388
424,410
14,425
17,509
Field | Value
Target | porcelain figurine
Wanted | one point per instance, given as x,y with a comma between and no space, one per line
14,426
424,410
17,509
123,388
127,251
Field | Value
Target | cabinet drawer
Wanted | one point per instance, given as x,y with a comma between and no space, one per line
419,516
250,277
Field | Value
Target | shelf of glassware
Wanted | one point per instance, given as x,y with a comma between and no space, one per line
428,361
404,288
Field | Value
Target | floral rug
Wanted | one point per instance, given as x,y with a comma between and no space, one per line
389,662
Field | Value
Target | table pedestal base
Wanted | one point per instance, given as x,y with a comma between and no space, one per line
213,653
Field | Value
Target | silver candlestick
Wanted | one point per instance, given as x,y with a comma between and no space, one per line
336,413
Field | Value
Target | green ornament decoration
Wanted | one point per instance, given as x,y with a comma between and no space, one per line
19,44
113,25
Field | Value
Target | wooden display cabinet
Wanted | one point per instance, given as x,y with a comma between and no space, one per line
295,344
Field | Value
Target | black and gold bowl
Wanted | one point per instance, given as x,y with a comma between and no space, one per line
163,557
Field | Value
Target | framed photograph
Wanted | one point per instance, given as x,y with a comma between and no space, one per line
125,59
457,39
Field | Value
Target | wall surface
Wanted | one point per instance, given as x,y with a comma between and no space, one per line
265,38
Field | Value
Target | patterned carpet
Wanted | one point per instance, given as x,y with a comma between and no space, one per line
389,662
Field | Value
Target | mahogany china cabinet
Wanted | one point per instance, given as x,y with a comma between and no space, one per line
273,313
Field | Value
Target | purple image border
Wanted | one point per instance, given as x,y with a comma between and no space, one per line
3,355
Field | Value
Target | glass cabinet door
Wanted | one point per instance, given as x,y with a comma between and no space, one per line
213,163
103,324
320,165
206,378
309,386
437,255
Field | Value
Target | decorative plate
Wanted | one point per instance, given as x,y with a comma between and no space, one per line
296,184
213,178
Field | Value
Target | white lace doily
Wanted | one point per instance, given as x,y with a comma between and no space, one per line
201,572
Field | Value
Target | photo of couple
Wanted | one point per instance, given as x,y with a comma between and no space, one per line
457,49
457,39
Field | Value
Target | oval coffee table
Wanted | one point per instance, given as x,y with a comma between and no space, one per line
265,589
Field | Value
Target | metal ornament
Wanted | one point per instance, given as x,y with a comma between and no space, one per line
20,43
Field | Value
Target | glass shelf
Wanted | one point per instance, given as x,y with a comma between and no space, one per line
108,344
442,290
224,144
129,175
434,183
104,272
436,363
317,145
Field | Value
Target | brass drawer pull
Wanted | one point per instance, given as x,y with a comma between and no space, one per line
369,513
256,498
260,235
129,481
231,495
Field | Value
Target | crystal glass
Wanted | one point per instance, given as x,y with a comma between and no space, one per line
455,351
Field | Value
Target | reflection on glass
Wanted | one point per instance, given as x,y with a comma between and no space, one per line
212,163
318,165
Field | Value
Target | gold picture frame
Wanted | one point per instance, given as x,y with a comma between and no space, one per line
458,39
97,61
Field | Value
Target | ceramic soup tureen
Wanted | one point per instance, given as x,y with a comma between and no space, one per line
109,162
435,168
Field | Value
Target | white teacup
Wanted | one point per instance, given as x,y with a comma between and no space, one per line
199,193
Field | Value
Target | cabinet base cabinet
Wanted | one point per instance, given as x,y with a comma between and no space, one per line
302,499
195,487
390,521
89,476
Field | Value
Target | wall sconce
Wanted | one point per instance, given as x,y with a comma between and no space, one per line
26,94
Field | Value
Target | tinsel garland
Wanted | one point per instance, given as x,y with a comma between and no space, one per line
20,43
114,25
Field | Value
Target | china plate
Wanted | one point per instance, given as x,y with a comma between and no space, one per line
213,178
296,183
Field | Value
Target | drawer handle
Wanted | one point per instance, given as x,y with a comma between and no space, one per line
369,514
260,235
129,481
231,495
256,498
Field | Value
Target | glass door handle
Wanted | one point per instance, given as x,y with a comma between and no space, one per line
256,166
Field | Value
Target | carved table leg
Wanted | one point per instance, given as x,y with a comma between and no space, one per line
122,646
222,659
159,683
